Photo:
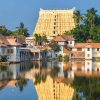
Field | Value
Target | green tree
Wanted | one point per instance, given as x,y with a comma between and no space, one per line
91,17
54,45
22,30
4,31
78,18
44,39
95,33
81,34
38,39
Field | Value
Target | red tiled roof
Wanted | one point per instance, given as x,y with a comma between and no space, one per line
2,45
64,38
87,45
8,41
69,37
59,38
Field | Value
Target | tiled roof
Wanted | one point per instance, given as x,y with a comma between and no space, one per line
63,38
8,41
69,37
87,45
59,38
2,45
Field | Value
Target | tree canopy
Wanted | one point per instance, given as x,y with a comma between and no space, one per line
20,30
87,26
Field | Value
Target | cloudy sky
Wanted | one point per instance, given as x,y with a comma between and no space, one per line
12,12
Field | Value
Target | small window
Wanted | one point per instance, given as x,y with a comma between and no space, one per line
97,49
10,51
54,23
70,42
88,49
97,69
88,55
53,32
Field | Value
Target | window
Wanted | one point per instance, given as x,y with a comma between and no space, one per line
88,49
10,51
97,69
70,42
54,23
53,32
79,49
97,49
88,55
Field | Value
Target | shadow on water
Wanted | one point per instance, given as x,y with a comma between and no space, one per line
86,87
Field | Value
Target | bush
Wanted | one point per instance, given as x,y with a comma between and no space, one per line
4,59
66,57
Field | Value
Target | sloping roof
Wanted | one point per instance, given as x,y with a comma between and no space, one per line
64,38
8,41
87,45
69,37
59,38
2,45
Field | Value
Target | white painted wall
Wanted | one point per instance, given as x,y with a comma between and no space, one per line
88,66
96,53
88,52
71,43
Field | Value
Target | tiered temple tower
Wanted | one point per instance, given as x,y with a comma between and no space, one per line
54,22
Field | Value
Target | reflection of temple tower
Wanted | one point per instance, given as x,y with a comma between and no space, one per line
52,90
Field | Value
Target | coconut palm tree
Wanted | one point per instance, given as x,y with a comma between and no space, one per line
44,39
36,38
22,30
91,16
77,17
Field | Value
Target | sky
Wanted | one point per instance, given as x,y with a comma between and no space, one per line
12,12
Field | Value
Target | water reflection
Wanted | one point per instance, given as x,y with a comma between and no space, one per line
74,80
51,81
11,77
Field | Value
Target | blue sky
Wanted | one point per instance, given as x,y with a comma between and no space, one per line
12,12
